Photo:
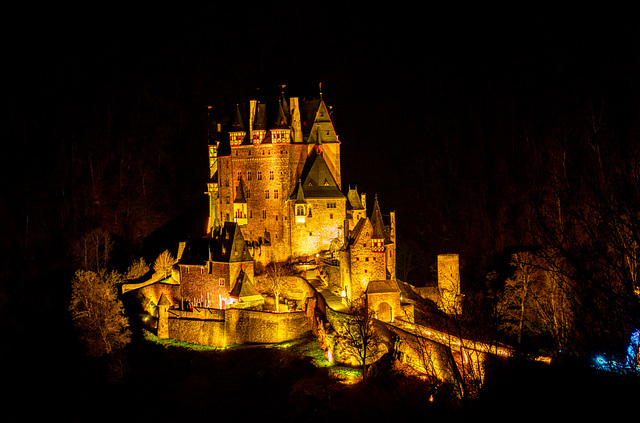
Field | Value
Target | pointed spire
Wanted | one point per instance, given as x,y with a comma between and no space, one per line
238,123
282,121
376,221
300,195
240,198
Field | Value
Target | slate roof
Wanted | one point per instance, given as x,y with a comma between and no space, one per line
317,181
225,245
240,198
355,201
376,221
322,131
382,287
244,289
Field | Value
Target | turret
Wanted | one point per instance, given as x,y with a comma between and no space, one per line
377,237
238,131
240,205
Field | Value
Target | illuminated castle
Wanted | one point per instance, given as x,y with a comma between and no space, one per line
275,195
276,174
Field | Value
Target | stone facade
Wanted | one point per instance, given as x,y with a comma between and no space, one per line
256,167
222,328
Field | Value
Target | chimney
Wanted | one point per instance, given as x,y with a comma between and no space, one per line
296,123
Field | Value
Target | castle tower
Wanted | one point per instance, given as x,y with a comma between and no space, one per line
163,317
449,283
240,205
284,157
212,183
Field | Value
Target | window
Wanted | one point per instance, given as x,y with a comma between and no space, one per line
249,175
264,214
259,175
300,211
239,175
266,193
248,193
250,214
221,281
330,215
331,205
271,175
275,193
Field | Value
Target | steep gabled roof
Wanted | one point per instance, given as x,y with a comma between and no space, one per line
244,290
376,221
226,245
238,123
355,202
322,131
318,182
358,230
300,194
240,198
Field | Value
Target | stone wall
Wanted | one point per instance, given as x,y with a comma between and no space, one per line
325,223
221,328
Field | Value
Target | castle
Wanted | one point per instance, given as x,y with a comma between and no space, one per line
277,175
276,195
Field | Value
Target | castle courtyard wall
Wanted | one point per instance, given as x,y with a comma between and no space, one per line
221,328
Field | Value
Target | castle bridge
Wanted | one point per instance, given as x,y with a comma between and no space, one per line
433,353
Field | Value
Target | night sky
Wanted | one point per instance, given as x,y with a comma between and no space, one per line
408,86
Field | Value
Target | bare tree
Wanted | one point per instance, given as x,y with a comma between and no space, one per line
93,250
164,263
357,329
137,269
276,282
97,313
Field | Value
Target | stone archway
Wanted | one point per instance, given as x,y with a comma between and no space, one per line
384,312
